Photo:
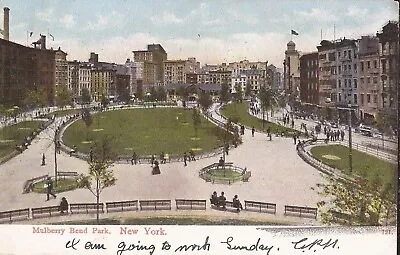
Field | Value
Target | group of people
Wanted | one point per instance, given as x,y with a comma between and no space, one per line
335,135
49,188
220,201
188,156
286,120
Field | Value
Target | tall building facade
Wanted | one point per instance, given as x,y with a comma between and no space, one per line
346,62
175,71
389,66
152,60
61,68
369,81
291,67
327,75
23,69
73,79
309,85
85,77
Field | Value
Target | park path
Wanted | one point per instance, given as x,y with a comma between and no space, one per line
278,176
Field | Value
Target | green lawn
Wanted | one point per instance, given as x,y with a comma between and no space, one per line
62,185
146,131
238,111
363,164
14,135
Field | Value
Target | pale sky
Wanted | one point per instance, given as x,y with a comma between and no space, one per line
212,31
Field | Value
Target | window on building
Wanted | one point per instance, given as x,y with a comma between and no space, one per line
355,98
339,97
340,83
375,64
344,68
384,65
345,54
350,54
355,68
362,66
338,54
368,98
349,67
368,64
349,83
340,69
362,99
362,80
355,83
375,80
375,99
345,83
368,80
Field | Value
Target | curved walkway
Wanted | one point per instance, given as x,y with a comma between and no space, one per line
279,176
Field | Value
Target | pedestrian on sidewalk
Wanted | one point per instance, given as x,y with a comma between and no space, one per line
292,123
49,186
294,139
43,160
253,130
152,160
184,158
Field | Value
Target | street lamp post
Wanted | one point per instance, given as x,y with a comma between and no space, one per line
350,143
55,158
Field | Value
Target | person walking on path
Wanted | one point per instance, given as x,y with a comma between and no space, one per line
192,157
292,123
152,160
253,130
49,186
134,158
184,158
43,160
294,139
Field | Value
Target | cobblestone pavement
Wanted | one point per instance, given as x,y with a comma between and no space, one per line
278,175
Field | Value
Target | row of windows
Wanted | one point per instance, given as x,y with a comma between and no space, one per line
375,99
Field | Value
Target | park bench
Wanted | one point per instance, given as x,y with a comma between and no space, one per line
228,207
122,206
28,185
190,204
155,204
48,211
86,208
301,211
14,215
260,207
67,174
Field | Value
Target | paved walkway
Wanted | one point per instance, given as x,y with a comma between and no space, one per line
278,176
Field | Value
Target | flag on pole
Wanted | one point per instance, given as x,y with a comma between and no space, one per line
52,37
294,32
30,34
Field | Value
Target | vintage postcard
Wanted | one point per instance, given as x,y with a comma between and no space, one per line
199,127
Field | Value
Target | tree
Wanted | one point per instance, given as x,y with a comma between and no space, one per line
382,124
87,118
139,91
247,91
183,93
99,177
35,98
224,95
124,95
153,94
239,93
161,94
63,96
266,101
86,98
196,120
358,202
104,101
205,101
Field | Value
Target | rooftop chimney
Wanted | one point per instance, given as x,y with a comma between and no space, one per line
6,32
42,42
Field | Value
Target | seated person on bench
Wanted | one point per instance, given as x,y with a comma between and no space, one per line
214,198
221,162
236,203
222,200
63,205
